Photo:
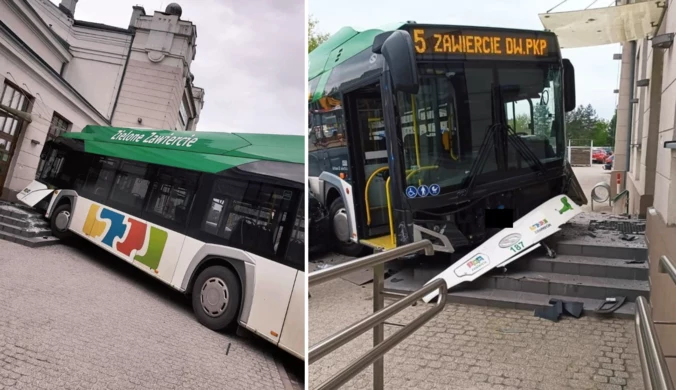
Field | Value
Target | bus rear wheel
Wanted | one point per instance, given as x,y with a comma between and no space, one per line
60,221
340,236
216,298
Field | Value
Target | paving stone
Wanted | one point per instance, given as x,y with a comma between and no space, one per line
511,347
87,320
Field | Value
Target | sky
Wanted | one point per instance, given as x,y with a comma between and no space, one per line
250,59
596,73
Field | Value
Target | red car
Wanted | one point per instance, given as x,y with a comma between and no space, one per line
599,156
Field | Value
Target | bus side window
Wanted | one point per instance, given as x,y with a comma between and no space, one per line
130,187
171,195
100,178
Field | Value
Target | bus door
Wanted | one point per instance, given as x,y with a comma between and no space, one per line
367,129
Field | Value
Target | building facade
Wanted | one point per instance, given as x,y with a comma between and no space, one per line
59,74
646,118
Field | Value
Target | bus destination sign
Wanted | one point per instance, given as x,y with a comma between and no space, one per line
445,41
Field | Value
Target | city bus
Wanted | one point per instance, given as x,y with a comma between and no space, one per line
219,216
416,130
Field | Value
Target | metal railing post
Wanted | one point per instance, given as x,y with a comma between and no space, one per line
378,330
667,267
650,351
375,321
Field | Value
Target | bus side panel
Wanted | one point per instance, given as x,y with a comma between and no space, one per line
292,338
272,293
149,247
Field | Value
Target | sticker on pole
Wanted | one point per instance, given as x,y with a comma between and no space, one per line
411,192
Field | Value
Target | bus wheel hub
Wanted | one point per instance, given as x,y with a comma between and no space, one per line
340,225
62,220
214,297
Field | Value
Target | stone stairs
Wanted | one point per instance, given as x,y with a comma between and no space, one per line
586,268
24,226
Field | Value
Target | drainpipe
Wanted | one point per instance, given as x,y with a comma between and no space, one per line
632,71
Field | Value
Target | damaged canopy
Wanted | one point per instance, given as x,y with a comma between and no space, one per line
603,26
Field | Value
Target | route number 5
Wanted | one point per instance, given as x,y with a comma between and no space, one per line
419,41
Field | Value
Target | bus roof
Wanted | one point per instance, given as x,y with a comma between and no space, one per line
200,151
348,42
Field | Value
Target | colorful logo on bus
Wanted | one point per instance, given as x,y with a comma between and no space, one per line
540,226
134,232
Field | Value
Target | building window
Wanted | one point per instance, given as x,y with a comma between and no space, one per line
58,126
11,97
183,115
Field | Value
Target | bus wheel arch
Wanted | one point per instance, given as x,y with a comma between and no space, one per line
340,240
60,218
217,282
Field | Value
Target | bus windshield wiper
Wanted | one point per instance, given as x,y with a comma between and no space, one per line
478,165
524,150
488,143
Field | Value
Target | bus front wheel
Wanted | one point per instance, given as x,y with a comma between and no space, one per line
216,298
340,236
59,222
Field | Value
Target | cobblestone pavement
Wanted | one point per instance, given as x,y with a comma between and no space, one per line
79,318
471,347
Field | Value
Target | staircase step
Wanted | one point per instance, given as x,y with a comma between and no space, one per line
586,266
575,247
32,231
403,282
530,301
593,287
32,242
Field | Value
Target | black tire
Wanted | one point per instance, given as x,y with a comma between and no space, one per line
345,248
61,234
211,278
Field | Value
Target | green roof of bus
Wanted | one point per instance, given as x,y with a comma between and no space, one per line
201,151
352,42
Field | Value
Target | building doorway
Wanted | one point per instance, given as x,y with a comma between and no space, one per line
10,126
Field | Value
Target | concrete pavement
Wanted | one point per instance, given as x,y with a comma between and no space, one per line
472,347
79,318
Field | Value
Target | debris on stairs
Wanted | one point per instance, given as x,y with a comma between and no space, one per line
24,226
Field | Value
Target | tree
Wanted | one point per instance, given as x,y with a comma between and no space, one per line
314,37
580,123
611,130
542,120
522,121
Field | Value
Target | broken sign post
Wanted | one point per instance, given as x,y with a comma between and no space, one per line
511,243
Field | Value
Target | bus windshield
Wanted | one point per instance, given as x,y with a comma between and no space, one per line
444,126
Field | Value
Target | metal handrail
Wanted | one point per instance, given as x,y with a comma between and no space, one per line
654,366
327,274
667,267
376,320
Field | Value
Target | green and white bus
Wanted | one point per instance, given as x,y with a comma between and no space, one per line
418,130
219,216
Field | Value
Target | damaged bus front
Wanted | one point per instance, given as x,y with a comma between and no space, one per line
438,124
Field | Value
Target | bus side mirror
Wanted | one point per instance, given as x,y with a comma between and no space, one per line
568,85
397,48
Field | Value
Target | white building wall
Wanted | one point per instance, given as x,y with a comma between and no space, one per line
50,96
154,84
99,57
29,32
665,178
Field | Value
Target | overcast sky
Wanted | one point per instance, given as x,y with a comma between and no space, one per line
250,58
596,73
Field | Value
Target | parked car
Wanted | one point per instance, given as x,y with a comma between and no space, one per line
599,156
